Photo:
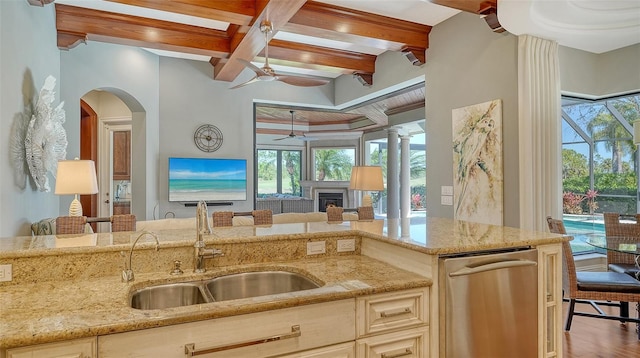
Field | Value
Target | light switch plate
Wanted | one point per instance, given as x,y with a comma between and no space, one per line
316,247
446,190
446,200
6,273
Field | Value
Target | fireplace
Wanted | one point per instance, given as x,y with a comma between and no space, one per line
325,199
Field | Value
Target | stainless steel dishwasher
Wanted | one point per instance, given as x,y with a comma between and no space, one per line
488,304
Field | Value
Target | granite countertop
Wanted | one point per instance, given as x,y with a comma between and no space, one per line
60,310
434,236
84,297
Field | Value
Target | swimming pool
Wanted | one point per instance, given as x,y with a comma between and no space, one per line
581,230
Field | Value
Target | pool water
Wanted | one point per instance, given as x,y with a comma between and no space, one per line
581,231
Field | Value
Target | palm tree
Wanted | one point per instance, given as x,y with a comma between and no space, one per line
333,163
606,128
292,165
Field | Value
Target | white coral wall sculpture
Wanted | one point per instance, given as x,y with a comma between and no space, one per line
45,140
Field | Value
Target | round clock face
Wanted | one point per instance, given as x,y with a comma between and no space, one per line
208,138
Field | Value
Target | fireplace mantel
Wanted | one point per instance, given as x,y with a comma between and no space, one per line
311,189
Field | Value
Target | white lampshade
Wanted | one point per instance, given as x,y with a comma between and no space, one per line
76,177
366,178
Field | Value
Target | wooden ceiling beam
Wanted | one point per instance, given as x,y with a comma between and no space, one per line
488,9
248,45
321,56
352,26
138,31
239,12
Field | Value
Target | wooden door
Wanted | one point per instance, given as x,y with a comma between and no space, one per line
89,150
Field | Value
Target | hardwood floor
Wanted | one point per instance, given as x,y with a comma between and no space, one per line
595,338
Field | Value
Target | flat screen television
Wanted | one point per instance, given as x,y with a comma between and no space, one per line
209,179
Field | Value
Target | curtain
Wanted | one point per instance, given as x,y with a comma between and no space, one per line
540,132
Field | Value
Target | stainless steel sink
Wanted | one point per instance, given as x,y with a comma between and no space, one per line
230,287
253,284
167,296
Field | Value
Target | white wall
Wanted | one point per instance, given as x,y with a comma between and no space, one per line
28,54
468,64
132,75
592,75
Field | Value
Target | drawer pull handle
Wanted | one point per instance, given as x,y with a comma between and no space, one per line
407,352
397,313
190,349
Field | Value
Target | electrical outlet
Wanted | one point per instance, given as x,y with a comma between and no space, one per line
5,273
316,247
446,200
346,245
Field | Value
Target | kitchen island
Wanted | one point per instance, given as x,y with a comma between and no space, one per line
67,288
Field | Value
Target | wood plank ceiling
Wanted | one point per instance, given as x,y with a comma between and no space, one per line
239,37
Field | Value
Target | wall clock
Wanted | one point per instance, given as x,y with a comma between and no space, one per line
208,138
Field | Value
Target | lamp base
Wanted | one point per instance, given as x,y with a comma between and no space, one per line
75,209
366,200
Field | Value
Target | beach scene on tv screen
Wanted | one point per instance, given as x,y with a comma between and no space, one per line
194,179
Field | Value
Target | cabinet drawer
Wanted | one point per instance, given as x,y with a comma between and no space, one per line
77,348
345,350
249,335
390,311
404,344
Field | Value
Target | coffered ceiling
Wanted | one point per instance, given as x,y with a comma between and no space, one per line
324,39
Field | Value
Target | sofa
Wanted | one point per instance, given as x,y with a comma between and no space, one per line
283,218
285,204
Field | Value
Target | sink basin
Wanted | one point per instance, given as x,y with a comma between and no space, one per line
230,287
253,284
167,296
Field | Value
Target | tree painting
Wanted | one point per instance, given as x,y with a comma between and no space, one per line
477,161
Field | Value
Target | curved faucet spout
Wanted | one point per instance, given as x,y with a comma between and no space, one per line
127,274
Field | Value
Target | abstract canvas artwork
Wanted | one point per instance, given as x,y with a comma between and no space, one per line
477,163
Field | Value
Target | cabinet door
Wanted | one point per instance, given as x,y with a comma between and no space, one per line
248,335
345,350
78,348
122,155
411,343
391,311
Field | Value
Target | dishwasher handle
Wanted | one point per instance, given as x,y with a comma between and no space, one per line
492,266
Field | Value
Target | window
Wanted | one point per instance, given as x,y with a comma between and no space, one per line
333,164
599,163
279,172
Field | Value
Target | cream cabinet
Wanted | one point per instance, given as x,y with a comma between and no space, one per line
550,302
407,344
394,324
344,350
264,334
77,348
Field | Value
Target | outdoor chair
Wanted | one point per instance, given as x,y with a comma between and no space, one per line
618,233
595,288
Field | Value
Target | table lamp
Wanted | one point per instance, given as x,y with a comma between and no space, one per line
76,177
366,178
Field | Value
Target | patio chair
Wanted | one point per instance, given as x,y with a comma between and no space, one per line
595,288
621,233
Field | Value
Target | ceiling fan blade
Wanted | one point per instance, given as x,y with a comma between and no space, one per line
259,71
302,81
255,79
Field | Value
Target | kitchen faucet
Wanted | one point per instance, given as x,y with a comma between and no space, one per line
202,227
127,273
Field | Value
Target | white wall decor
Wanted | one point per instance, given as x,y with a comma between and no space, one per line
46,140
477,162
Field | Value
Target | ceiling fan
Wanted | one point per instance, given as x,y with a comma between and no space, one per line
268,74
292,134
